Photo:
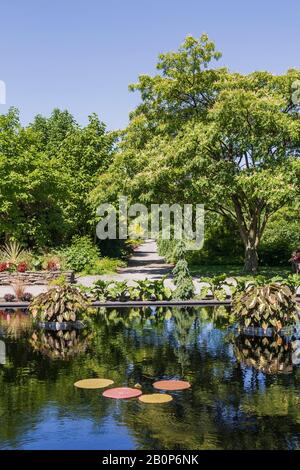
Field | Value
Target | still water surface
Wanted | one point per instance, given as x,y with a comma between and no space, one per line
245,392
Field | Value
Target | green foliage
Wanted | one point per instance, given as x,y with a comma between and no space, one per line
82,254
151,290
272,305
182,278
60,281
59,304
118,290
281,237
141,290
100,290
105,266
47,171
216,286
166,249
207,135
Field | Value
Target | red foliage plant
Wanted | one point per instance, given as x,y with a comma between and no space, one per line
3,267
52,266
22,267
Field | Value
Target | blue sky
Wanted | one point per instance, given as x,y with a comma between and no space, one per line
81,55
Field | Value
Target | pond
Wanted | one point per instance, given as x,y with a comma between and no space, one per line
245,392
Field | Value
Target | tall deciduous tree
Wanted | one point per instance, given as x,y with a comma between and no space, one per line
204,135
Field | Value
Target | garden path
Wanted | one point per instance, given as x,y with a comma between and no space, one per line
144,263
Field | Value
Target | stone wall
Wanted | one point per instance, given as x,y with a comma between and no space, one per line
34,277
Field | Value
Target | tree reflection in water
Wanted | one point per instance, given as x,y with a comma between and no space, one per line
234,402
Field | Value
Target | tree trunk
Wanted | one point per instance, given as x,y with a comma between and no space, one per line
251,258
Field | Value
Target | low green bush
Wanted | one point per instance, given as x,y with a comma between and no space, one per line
106,266
81,255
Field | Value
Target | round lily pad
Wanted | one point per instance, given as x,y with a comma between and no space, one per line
93,383
156,398
122,393
171,385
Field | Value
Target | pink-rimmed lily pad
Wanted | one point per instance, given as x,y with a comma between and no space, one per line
171,385
121,393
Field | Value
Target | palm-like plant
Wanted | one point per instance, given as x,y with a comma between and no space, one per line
12,252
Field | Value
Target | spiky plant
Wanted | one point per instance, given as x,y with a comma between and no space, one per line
64,303
12,252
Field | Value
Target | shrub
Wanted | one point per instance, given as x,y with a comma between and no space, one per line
53,265
182,279
106,266
13,253
22,267
216,285
82,254
150,290
27,297
3,267
9,297
59,304
166,249
60,281
121,291
271,305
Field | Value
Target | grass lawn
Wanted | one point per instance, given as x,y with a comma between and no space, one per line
237,271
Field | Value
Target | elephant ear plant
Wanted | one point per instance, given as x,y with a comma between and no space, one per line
218,286
269,306
64,303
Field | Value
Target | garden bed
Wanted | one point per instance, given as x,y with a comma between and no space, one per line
35,277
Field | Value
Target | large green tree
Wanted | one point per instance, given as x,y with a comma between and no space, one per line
47,170
204,135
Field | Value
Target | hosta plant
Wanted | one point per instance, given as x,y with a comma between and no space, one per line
100,290
215,286
59,304
272,305
150,290
118,290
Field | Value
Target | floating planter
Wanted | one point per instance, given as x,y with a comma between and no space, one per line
156,398
171,385
122,393
93,383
